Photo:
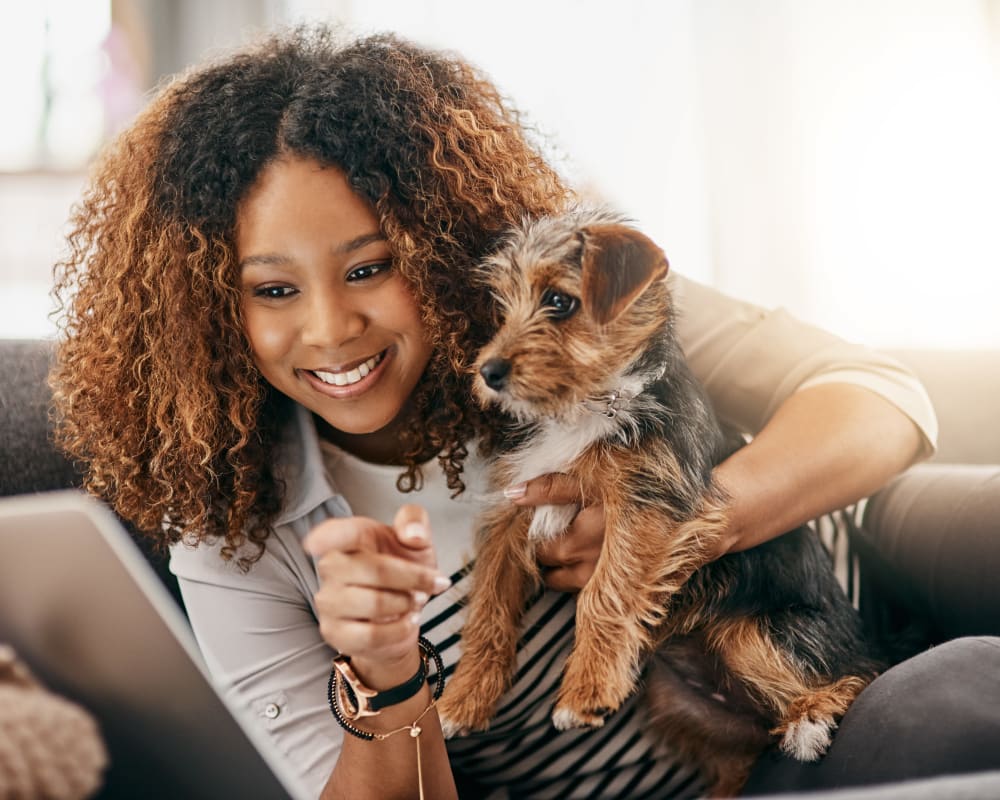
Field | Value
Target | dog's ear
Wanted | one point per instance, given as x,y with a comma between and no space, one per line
617,263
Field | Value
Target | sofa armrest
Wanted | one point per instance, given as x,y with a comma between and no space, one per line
928,552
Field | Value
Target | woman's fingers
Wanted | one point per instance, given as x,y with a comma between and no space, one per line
369,603
366,603
343,534
384,639
378,570
569,561
581,542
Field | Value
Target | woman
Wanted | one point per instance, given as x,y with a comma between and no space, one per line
268,319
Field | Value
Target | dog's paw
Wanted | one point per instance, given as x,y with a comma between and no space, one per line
565,718
460,714
807,739
451,727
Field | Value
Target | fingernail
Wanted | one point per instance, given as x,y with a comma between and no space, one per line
440,584
515,491
420,598
415,532
415,618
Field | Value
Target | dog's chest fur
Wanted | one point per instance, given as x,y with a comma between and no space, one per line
555,445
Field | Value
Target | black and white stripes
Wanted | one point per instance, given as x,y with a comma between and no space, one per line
522,755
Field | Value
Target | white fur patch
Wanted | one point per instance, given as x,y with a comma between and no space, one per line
807,740
554,449
548,522
449,728
557,445
565,720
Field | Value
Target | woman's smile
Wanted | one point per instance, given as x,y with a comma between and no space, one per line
350,381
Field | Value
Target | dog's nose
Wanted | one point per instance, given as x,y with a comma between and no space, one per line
495,372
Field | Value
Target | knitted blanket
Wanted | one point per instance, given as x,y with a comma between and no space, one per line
50,748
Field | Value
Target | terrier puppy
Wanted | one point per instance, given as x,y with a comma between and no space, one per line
586,366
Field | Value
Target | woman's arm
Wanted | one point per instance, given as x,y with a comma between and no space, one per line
258,632
374,579
388,768
826,446
831,421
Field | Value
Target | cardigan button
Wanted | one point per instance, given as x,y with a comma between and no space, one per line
272,710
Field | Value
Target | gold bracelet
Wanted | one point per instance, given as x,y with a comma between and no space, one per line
415,731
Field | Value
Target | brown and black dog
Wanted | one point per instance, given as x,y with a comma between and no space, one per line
586,367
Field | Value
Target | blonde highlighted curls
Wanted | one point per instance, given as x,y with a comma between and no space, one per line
156,392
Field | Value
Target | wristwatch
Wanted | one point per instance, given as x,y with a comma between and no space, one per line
357,700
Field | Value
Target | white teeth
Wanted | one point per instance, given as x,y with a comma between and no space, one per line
351,376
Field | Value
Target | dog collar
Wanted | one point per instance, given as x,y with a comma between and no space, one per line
608,405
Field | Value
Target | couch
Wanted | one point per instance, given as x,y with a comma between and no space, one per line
922,555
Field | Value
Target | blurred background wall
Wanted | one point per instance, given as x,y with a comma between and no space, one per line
840,158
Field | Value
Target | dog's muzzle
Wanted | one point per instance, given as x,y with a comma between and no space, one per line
495,372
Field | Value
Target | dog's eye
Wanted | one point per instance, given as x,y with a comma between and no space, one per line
559,305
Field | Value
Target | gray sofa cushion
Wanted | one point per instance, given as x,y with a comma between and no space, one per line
29,461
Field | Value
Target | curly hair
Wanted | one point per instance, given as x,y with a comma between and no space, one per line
156,391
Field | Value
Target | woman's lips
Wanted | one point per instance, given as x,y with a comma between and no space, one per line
350,382
349,376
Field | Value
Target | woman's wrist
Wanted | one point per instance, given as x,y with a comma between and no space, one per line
382,674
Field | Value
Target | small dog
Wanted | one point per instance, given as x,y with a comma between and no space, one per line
586,367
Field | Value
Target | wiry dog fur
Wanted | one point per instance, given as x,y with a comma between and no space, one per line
586,365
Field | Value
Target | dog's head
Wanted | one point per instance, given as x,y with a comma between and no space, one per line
581,298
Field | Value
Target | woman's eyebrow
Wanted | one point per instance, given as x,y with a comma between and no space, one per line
358,242
264,259
276,259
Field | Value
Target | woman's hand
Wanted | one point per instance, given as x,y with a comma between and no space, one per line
567,561
374,581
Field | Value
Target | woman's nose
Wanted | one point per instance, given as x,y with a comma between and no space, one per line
331,320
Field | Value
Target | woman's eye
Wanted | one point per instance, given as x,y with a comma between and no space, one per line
366,271
273,292
559,305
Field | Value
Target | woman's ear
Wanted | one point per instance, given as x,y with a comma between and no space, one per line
617,264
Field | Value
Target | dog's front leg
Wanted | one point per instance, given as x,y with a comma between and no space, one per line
645,559
614,614
503,579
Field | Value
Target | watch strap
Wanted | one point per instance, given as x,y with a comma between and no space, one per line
358,700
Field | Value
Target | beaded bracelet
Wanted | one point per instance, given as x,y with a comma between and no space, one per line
337,685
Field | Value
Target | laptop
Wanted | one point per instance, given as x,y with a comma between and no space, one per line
87,613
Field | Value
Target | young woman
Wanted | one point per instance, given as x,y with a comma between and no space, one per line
268,316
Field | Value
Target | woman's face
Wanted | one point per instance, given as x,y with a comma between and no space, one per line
330,322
